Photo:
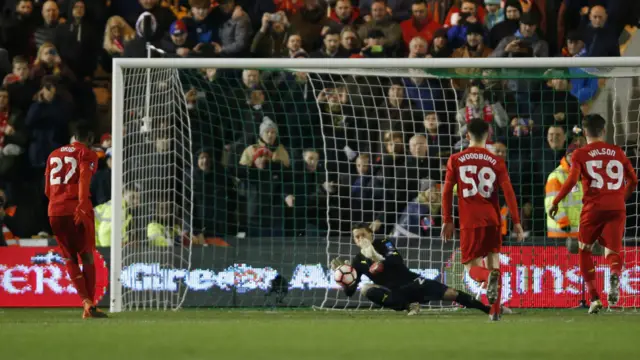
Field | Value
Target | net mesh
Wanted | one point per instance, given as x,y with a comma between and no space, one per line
157,189
284,162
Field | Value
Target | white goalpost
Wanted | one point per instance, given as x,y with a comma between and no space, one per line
198,219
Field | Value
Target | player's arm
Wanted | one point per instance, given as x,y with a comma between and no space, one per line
509,195
572,180
46,180
86,169
447,201
630,177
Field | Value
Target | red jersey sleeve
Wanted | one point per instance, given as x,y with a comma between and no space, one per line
509,194
88,165
572,180
47,171
630,176
447,192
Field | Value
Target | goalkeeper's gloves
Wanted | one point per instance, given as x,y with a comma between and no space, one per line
83,213
336,263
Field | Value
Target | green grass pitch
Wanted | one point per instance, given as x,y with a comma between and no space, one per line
306,334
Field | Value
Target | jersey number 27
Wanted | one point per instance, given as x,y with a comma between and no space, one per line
484,186
56,162
614,170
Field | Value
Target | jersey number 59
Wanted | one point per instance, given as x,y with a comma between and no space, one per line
56,162
486,178
614,170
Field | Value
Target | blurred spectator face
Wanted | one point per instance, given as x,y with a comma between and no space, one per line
179,40
48,93
440,42
270,136
311,4
396,93
574,46
49,55
394,143
418,47
50,12
500,150
474,95
344,9
378,11
331,43
21,70
375,41
560,84
200,13
431,123
116,32
474,40
362,165
228,7
527,30
148,4
301,77
311,160
294,43
211,73
556,137
349,40
78,10
419,12
598,17
24,7
251,78
418,146
4,100
162,145
256,98
204,161
468,7
492,8
132,198
512,13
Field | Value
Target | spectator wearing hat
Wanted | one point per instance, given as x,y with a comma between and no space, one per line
177,42
512,12
331,46
269,142
494,15
600,38
380,19
440,47
473,48
525,42
420,24
374,45
575,45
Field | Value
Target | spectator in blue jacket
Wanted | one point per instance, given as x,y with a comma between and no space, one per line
457,34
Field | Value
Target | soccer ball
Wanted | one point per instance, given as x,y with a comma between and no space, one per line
345,275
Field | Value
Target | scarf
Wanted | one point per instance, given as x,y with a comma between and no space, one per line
4,121
486,115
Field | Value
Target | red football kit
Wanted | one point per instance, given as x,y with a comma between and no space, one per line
67,181
477,173
608,178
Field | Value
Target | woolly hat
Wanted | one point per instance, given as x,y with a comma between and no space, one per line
266,125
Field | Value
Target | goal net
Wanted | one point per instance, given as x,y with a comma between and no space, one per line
249,174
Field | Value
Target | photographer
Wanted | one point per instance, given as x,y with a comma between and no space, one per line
525,42
271,40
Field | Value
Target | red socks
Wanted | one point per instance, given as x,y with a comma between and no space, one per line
78,279
479,273
89,272
588,270
615,263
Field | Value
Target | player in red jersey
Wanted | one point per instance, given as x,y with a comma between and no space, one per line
604,168
477,172
67,179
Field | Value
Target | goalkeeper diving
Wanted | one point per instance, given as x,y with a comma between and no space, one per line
394,285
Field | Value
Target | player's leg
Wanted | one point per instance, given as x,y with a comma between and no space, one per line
425,290
383,296
65,234
589,232
494,284
611,240
89,268
472,261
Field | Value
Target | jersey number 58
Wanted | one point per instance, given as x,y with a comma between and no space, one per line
484,186
614,170
56,162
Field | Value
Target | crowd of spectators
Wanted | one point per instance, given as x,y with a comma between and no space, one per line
277,152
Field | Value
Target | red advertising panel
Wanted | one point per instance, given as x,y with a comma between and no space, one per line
37,277
540,276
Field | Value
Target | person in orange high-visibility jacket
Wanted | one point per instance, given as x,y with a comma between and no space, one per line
567,222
